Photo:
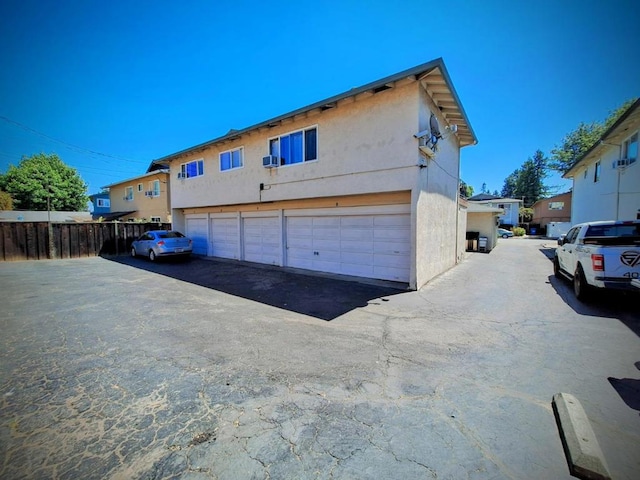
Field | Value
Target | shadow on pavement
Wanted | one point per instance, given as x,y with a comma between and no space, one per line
314,295
628,389
620,305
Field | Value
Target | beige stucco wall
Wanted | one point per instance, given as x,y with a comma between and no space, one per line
485,223
143,207
364,146
436,198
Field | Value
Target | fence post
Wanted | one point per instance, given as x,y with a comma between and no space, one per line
115,226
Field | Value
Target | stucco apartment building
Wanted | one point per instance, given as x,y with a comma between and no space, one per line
552,209
606,179
145,198
364,183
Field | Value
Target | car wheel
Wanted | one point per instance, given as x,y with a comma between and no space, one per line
580,285
133,252
152,256
556,267
505,236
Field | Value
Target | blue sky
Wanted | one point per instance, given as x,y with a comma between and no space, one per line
110,86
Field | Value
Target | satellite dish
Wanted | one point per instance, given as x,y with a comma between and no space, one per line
435,127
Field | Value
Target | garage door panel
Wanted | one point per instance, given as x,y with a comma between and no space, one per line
196,230
357,221
357,246
391,273
392,248
392,221
356,258
391,234
224,237
261,240
377,246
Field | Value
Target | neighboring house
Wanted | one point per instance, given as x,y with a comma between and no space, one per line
556,209
606,179
101,204
510,207
145,198
352,184
482,221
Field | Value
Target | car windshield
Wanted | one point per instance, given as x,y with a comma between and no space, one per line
171,235
631,230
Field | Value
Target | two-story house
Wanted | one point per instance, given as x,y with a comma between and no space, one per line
553,214
606,179
145,198
101,204
510,207
364,183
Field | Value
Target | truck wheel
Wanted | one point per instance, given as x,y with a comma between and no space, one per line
580,285
556,268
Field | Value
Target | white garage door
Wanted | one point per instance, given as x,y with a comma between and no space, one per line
225,237
375,246
261,240
197,231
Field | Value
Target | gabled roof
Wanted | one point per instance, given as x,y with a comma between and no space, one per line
615,134
482,197
140,177
433,75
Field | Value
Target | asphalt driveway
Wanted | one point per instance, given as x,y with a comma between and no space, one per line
119,368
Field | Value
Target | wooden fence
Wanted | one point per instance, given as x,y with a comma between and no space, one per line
41,240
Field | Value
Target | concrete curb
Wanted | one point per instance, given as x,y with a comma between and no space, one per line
581,448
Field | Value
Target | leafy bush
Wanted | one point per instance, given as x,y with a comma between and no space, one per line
519,231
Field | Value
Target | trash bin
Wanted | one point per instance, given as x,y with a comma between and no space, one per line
533,231
472,241
482,244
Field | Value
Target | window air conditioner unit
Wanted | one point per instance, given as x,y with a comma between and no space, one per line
181,175
148,193
270,161
623,162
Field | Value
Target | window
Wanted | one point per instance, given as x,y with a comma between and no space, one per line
556,205
295,147
154,188
596,173
139,187
156,220
630,148
192,169
231,159
586,171
128,194
103,203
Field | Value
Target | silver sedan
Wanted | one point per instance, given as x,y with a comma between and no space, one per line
162,243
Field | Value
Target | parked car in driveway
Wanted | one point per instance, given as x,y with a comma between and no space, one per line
504,233
162,243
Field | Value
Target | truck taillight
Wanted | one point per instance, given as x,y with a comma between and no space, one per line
597,262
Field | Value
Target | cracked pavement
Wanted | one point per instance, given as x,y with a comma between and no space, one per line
123,369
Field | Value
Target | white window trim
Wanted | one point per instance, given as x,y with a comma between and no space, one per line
152,184
241,149
156,220
127,197
140,187
183,168
625,146
303,129
597,171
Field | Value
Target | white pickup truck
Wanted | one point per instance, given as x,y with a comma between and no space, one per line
599,255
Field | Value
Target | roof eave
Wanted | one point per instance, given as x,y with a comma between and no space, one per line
415,72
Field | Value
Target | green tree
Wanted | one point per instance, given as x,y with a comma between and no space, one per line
509,188
576,143
466,190
6,202
526,214
44,181
527,182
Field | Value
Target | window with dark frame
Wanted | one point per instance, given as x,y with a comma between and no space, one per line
596,173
